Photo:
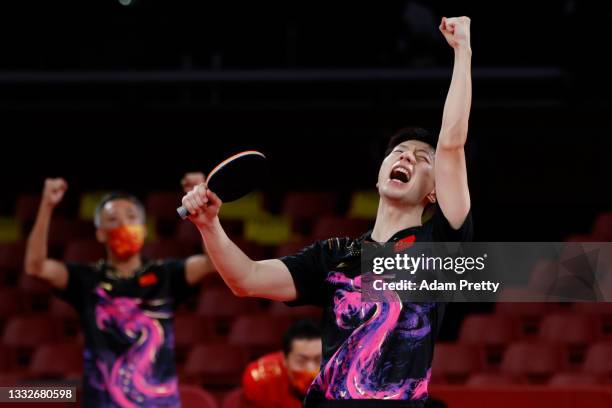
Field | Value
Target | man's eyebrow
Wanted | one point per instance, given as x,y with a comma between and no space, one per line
406,145
403,146
423,151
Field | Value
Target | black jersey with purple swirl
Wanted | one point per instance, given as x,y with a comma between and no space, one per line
378,350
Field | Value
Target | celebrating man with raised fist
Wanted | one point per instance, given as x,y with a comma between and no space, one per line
125,303
371,351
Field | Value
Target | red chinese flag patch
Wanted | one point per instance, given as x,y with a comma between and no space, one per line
147,279
404,243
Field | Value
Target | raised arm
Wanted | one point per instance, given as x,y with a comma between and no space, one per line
36,261
268,279
452,190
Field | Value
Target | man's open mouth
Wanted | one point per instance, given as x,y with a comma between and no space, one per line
400,174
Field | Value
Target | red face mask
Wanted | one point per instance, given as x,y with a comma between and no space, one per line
301,380
127,240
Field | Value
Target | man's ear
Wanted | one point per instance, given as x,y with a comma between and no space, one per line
431,197
101,235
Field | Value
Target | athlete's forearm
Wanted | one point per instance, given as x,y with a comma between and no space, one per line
36,248
233,265
454,129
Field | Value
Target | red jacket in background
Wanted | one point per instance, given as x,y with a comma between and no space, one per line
266,384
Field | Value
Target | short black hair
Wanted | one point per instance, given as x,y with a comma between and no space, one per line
117,195
411,133
302,329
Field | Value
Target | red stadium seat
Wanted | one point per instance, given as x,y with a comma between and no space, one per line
11,303
570,379
30,331
567,329
66,314
220,302
62,310
187,234
260,334
235,399
597,361
13,378
601,312
196,397
59,360
573,331
36,290
528,314
34,286
453,363
484,329
531,362
84,250
215,364
8,359
191,329
330,227
11,261
492,332
212,281
490,380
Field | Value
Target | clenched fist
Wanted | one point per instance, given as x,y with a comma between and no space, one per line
456,31
53,191
203,205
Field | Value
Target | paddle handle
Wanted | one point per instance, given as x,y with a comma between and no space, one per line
183,212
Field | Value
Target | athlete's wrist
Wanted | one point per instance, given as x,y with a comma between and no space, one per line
207,225
463,51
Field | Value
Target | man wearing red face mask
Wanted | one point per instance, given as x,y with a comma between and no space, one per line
281,379
125,303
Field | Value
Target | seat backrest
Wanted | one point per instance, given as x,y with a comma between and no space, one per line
196,397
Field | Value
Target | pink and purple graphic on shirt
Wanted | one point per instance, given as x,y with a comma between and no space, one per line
365,365
127,377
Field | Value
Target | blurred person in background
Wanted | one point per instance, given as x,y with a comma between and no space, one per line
125,302
281,379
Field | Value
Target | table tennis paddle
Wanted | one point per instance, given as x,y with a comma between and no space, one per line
234,177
